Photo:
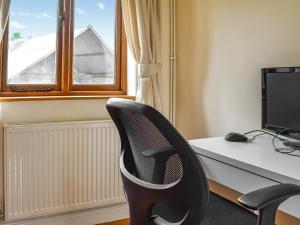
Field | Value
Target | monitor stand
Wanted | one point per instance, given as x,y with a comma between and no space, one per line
292,144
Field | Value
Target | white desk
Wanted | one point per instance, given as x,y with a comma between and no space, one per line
246,167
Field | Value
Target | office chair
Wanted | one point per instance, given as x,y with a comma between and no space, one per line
165,183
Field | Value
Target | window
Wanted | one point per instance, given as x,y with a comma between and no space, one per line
64,47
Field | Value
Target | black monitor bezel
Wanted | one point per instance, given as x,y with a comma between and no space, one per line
264,125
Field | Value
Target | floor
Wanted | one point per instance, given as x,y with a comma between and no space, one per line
121,222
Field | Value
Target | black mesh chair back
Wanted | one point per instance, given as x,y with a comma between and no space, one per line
163,179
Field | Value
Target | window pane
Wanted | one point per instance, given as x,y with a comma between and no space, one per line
32,42
94,42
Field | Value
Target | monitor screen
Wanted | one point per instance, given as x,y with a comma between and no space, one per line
281,99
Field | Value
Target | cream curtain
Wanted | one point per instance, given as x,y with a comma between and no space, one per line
141,21
4,10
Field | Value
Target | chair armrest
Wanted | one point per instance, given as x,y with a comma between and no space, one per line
161,156
165,153
269,196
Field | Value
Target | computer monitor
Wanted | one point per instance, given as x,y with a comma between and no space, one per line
281,100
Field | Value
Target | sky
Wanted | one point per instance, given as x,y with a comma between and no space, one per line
38,17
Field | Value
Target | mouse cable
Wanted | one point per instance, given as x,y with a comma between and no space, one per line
288,150
262,132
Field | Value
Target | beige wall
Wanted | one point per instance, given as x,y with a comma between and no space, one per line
221,46
53,111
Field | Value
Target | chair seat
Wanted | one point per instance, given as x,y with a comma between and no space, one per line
220,211
223,212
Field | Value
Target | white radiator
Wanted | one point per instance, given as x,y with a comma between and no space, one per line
60,167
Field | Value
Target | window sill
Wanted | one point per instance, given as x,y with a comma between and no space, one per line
47,98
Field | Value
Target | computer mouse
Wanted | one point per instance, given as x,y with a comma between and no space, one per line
236,137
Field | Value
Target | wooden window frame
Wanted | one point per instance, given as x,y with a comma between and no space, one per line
64,67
